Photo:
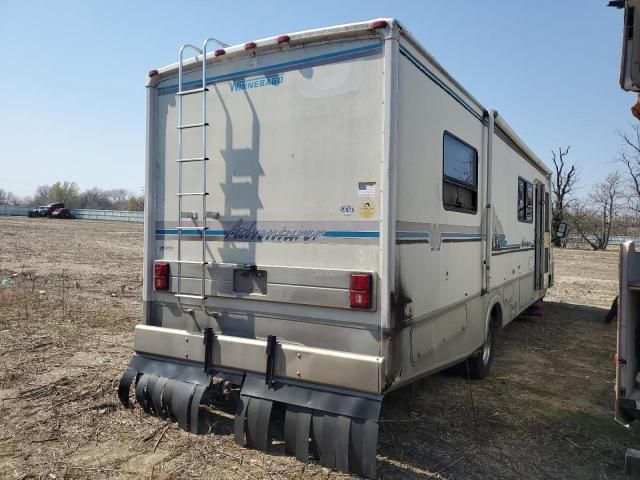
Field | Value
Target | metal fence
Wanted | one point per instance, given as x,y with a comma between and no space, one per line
14,211
117,215
614,240
83,213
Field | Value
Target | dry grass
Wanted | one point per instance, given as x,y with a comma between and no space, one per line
545,412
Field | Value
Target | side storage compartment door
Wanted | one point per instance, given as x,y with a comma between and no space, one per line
434,340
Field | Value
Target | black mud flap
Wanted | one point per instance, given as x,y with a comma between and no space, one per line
168,389
339,428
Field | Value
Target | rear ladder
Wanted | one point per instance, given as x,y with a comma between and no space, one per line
202,159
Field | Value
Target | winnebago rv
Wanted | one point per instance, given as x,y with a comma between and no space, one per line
329,216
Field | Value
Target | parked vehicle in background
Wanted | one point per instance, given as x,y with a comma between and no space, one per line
45,210
345,220
62,213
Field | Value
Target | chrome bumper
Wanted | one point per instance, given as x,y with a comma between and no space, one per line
357,372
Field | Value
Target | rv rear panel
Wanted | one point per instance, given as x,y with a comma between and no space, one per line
329,216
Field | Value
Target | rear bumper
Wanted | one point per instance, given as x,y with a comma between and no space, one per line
361,373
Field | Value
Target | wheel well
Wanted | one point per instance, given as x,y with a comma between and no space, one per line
496,317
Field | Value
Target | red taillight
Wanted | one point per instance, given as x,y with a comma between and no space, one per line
250,45
161,276
378,24
283,38
615,359
219,52
360,289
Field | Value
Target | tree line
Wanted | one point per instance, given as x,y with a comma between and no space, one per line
73,197
611,207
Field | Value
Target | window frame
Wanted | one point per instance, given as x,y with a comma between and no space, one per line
527,184
456,182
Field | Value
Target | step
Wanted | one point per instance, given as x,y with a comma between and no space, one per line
192,297
192,125
195,159
192,91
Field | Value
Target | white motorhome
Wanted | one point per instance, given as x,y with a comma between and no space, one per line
329,216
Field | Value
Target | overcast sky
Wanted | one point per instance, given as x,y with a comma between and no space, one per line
73,73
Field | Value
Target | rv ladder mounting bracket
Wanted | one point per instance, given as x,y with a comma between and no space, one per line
207,339
272,341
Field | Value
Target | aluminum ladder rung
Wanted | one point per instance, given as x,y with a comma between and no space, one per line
192,228
193,297
191,194
192,91
192,262
193,125
194,159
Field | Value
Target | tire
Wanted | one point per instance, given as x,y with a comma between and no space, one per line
479,365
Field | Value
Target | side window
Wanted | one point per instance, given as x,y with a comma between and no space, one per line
525,201
460,175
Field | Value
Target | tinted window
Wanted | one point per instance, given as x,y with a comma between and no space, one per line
460,161
525,201
460,175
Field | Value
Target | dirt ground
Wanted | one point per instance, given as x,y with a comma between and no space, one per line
66,326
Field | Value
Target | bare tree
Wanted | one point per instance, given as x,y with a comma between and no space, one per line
629,156
564,183
9,198
42,194
594,218
118,197
95,198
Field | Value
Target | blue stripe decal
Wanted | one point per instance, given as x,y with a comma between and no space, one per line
347,234
433,77
331,233
328,233
412,234
460,235
291,65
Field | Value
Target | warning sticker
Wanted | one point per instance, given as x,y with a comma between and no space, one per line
367,209
367,189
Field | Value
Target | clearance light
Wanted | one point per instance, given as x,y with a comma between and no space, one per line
283,38
161,276
378,24
153,73
250,45
360,287
219,52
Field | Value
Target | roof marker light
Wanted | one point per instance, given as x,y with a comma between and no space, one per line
219,52
378,24
283,38
153,73
250,45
